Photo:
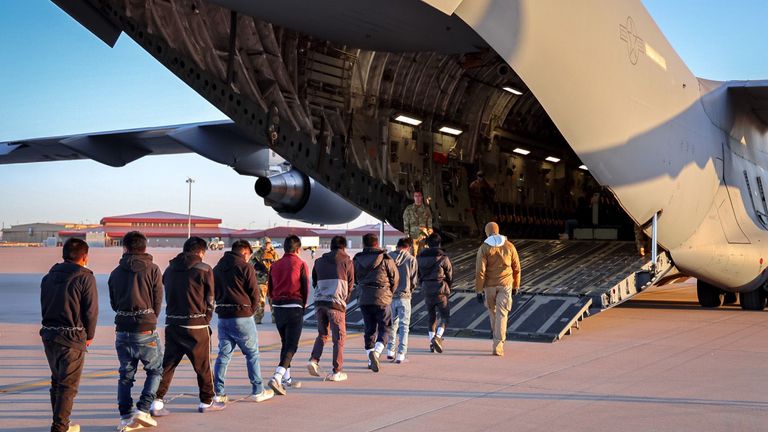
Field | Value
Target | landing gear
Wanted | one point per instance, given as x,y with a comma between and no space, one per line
753,300
710,296
730,298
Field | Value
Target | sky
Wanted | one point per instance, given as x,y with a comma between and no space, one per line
57,79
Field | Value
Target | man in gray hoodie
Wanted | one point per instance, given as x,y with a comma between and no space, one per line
333,277
400,308
377,278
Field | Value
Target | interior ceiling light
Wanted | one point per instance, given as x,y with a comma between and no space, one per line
408,120
451,131
552,159
584,167
512,90
521,151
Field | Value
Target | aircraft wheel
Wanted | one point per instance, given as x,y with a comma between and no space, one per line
753,300
730,298
710,296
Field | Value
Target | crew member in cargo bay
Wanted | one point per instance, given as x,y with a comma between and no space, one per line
262,261
417,221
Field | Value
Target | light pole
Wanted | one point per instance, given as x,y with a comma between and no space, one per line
190,180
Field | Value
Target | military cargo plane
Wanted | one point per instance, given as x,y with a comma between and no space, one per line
559,104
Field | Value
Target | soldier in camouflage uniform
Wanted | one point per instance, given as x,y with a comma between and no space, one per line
262,261
417,221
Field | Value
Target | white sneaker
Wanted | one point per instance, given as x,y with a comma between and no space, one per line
213,406
144,419
313,368
125,421
400,358
158,409
292,383
338,376
221,398
265,394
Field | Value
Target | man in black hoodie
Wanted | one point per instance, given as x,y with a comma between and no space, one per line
70,306
237,296
333,277
189,306
136,296
377,278
435,278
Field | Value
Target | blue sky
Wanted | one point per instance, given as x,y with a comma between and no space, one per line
56,79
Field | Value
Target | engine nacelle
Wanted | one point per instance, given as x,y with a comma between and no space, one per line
294,195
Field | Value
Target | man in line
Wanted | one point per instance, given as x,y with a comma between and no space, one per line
262,261
408,270
497,278
435,278
289,291
69,304
237,293
333,277
136,296
189,306
417,219
377,277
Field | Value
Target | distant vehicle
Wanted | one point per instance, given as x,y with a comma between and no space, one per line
277,245
216,244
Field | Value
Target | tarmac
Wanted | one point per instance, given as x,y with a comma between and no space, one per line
657,363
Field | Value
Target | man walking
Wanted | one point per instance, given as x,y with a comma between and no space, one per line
400,308
377,277
289,291
136,296
497,278
237,293
70,306
333,277
417,220
189,306
262,261
435,278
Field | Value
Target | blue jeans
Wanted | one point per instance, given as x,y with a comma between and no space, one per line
132,348
401,321
239,332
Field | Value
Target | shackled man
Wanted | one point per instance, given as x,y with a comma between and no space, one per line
70,306
417,221
497,278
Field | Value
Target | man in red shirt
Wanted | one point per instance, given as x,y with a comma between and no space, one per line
289,289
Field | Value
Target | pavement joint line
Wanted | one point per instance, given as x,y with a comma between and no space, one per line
21,387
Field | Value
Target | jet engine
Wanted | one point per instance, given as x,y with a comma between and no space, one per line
294,195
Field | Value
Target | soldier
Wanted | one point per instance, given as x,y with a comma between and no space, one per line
481,197
262,261
417,221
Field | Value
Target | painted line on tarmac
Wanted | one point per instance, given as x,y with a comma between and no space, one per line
33,385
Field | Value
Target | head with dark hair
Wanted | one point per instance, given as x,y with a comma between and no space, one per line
370,240
242,247
434,240
338,242
75,250
418,197
135,242
292,244
195,245
405,243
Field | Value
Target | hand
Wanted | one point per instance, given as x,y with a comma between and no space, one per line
480,298
88,342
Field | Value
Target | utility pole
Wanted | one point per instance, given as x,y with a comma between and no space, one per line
190,180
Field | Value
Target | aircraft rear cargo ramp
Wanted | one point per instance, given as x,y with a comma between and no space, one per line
563,282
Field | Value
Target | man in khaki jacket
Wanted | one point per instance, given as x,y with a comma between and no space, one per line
497,276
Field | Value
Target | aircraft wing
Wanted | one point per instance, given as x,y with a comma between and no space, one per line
754,94
114,148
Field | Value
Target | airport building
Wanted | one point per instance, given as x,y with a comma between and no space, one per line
37,233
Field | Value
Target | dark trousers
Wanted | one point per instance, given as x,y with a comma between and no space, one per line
335,321
377,321
196,345
66,365
437,304
134,348
289,321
